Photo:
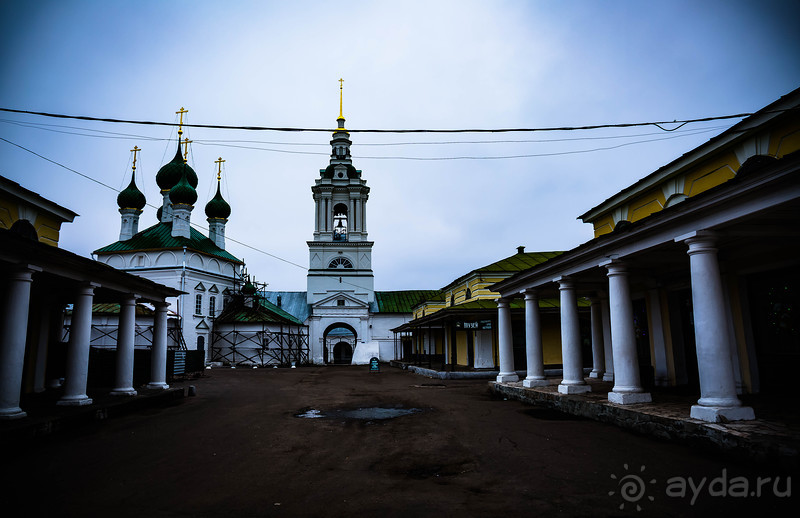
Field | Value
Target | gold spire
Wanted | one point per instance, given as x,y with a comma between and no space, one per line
219,162
180,124
135,150
341,116
186,143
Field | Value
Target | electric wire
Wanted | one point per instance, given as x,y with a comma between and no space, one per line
658,124
256,249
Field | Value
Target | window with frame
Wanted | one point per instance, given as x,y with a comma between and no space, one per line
340,262
198,304
212,306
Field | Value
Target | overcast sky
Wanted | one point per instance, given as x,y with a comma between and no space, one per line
406,65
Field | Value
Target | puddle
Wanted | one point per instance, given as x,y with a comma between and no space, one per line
366,414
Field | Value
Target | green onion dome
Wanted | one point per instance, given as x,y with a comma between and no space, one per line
131,197
170,174
183,192
159,213
218,207
249,289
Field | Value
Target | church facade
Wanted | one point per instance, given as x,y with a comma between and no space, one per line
348,321
175,254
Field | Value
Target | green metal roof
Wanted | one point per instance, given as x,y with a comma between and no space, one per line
111,308
403,301
266,312
512,264
159,237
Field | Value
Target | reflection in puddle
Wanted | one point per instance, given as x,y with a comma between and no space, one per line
369,413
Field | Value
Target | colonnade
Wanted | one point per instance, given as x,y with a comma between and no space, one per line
15,323
614,342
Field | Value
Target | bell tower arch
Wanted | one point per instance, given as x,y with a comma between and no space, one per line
340,254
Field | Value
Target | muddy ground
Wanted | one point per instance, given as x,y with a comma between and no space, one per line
238,449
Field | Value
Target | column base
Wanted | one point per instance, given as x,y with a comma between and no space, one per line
608,376
528,383
574,389
628,398
12,413
717,414
596,374
158,385
504,377
123,392
74,401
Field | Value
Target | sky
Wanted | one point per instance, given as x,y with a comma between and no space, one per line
440,205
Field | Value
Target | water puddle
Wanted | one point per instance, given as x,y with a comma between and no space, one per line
365,414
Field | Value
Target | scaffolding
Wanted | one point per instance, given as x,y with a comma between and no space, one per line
253,341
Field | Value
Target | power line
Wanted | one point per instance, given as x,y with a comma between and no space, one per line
203,142
658,124
156,207
223,142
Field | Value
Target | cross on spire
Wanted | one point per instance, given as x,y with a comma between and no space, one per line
180,124
186,143
341,81
135,150
219,162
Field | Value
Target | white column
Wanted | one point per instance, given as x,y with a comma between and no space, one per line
506,346
571,357
605,311
598,351
158,358
533,342
363,215
718,400
78,349
627,384
446,342
126,334
15,331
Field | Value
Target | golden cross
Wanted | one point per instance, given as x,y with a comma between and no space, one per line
135,150
219,171
341,81
186,143
180,124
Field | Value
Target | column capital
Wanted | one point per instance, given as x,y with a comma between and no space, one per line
530,294
88,287
697,235
616,267
565,283
161,305
130,298
23,272
501,302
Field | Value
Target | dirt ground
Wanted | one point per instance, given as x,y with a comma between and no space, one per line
237,449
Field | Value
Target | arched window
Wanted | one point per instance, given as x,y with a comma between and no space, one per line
452,300
340,262
468,295
340,222
212,305
198,304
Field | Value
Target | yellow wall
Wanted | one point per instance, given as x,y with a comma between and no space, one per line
551,339
702,176
461,348
46,227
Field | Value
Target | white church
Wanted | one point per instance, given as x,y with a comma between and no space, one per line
347,320
175,254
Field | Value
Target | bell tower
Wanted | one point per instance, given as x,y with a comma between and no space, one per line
340,256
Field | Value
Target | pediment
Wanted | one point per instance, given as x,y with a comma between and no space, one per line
202,325
332,301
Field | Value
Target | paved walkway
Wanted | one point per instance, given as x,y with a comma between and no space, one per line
773,437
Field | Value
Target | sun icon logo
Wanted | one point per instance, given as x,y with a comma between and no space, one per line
632,488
